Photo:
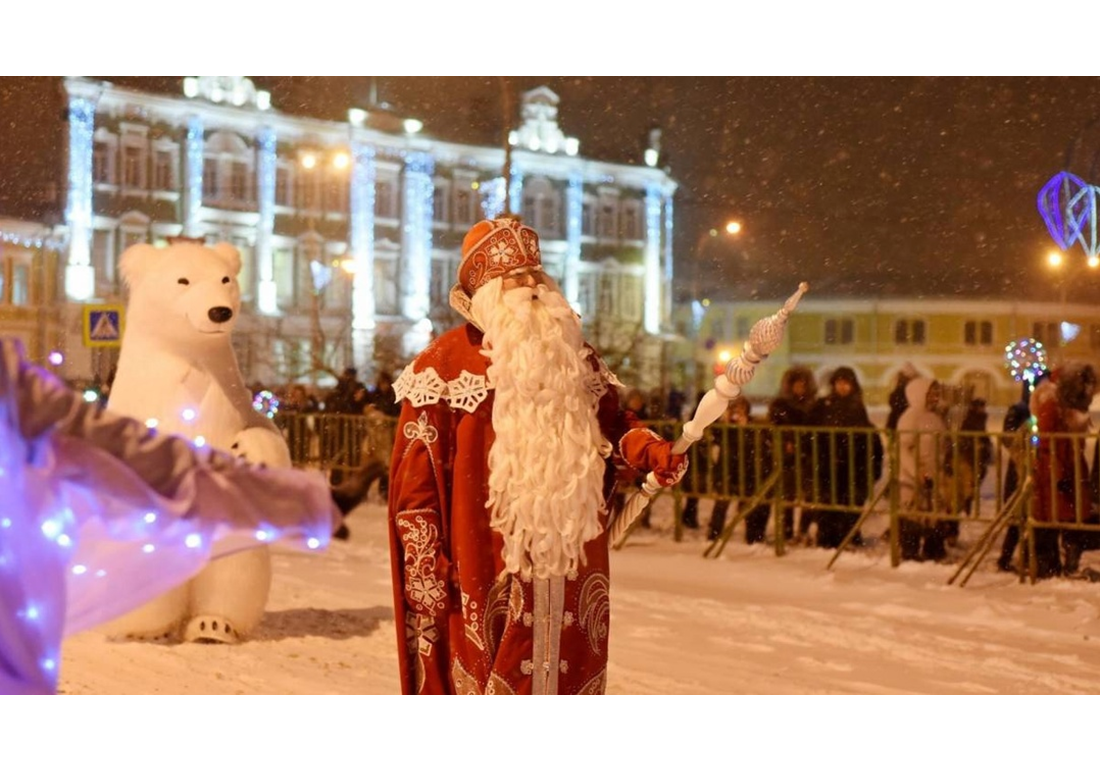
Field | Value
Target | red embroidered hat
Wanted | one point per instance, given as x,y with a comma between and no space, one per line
493,248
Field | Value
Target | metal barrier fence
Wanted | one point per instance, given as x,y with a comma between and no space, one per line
795,481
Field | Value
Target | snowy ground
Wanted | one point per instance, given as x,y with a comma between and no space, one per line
746,623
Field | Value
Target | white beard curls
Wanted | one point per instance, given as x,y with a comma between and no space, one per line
545,466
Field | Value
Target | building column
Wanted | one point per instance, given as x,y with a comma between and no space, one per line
653,313
574,210
361,240
416,250
192,178
266,294
79,273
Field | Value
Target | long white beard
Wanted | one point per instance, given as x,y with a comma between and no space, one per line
545,466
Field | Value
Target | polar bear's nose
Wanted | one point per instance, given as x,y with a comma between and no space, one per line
220,315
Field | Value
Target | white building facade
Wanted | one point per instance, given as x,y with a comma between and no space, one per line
350,231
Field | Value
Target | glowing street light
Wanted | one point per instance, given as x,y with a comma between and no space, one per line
1056,261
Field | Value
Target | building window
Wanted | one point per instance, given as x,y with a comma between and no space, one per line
631,221
132,160
101,163
20,283
609,220
439,202
282,186
839,331
163,176
630,293
465,205
385,283
1094,336
240,188
978,333
909,332
210,178
588,218
336,193
1048,333
385,199
284,273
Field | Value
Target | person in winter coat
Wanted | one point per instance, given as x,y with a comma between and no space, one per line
966,462
1015,432
744,461
920,434
791,408
897,401
848,461
1061,409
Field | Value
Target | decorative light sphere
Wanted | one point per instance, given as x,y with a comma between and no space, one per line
266,403
1026,359
56,358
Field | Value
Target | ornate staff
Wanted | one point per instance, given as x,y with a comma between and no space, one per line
764,337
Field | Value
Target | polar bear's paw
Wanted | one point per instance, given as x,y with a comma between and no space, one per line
261,446
211,629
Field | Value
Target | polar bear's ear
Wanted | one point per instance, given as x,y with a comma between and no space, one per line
136,260
232,257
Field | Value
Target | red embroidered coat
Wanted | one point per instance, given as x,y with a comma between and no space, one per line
464,624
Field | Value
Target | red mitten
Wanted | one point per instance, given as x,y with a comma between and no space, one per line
644,450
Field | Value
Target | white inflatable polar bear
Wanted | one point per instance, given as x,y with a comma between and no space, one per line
177,367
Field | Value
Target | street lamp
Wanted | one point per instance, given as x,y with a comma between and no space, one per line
731,228
1056,261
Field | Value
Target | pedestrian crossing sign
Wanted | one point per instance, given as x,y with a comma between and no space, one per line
102,326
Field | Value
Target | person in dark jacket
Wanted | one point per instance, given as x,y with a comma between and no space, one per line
898,402
791,408
1015,432
743,462
849,460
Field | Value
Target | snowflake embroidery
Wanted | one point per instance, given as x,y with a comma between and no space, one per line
467,391
427,388
421,430
500,252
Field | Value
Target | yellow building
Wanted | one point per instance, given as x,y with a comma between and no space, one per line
957,341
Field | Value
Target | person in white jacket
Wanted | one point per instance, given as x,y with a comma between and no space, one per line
920,431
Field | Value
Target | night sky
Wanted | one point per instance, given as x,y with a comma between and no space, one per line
861,185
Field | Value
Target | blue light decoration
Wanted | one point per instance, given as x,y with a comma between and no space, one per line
266,403
1068,206
417,232
574,214
192,194
492,198
652,259
668,262
266,290
361,239
1085,200
1025,359
515,191
79,275
1063,222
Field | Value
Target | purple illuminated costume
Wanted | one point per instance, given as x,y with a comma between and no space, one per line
98,515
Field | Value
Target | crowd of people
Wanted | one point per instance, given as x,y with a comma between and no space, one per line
833,459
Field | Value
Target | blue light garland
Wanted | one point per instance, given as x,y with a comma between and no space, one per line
574,215
361,237
193,189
